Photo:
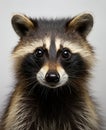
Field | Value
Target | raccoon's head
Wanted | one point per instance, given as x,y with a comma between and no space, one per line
53,53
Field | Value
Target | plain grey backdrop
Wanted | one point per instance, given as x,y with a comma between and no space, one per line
53,9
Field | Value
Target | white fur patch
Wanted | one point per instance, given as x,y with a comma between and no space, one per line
30,47
47,42
41,74
63,76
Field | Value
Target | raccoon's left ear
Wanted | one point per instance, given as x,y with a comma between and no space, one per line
82,24
22,24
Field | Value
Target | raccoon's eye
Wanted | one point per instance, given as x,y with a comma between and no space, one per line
39,53
66,54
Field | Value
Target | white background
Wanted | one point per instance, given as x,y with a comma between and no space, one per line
53,9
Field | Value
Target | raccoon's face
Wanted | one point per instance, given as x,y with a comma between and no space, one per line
53,53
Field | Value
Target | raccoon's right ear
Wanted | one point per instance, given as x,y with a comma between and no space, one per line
22,24
82,24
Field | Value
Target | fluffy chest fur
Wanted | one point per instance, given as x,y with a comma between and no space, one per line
51,111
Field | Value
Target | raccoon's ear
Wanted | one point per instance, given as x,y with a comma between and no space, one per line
82,24
21,24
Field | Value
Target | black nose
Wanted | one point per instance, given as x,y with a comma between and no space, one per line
52,77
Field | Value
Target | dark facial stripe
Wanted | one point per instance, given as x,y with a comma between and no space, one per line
52,50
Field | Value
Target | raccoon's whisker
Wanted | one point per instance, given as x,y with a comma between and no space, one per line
57,91
77,70
31,83
31,90
72,85
29,78
38,64
74,77
33,62
68,86
45,92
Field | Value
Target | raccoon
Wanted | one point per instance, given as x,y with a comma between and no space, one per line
52,63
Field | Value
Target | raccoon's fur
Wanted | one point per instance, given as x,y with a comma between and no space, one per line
52,63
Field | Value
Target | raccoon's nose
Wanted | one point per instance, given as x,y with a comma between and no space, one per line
52,77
